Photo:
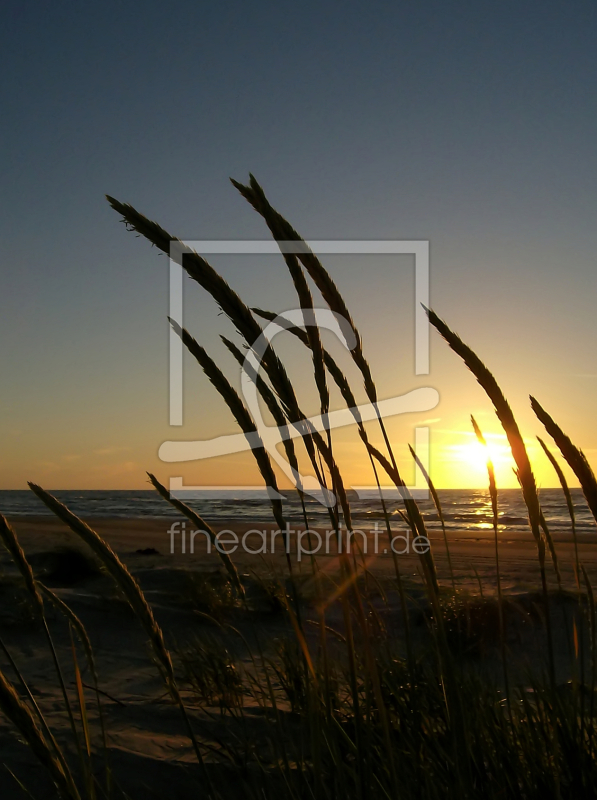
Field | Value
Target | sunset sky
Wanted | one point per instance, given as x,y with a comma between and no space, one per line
468,124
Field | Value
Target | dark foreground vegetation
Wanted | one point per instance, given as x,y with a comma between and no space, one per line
348,701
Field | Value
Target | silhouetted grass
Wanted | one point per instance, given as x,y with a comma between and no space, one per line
347,708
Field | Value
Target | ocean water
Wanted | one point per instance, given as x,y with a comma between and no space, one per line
463,509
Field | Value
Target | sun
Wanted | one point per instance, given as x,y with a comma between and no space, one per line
468,460
476,455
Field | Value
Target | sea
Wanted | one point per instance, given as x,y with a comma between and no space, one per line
463,509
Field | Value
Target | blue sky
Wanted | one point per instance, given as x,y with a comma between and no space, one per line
468,124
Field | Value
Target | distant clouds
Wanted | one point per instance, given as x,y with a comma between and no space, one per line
110,451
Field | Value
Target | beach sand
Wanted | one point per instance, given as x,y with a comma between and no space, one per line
147,745
469,550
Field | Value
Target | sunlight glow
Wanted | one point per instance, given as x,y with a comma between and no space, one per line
468,460
474,454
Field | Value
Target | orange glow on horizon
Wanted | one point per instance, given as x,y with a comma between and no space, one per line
463,464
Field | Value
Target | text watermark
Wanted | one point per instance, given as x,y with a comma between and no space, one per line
418,400
301,542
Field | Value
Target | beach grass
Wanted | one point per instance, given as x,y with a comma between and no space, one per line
349,708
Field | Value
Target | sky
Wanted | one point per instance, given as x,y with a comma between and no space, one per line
471,125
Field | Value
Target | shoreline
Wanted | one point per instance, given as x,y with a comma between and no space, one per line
505,532
472,553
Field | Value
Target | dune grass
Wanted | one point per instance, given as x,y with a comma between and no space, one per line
349,710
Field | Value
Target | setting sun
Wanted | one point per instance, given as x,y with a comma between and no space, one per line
469,459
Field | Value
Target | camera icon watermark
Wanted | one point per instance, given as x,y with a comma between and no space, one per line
269,436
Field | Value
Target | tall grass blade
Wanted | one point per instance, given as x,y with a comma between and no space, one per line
278,414
122,577
255,195
239,313
551,546
576,458
494,514
19,783
11,542
283,231
202,525
504,414
342,382
569,504
438,506
524,472
240,413
76,623
80,695
47,733
231,304
272,404
133,594
22,719
84,720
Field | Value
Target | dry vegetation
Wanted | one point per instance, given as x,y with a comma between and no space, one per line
335,704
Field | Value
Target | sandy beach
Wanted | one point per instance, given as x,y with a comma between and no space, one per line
469,550
146,741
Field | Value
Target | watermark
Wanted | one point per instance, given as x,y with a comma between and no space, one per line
270,436
301,542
